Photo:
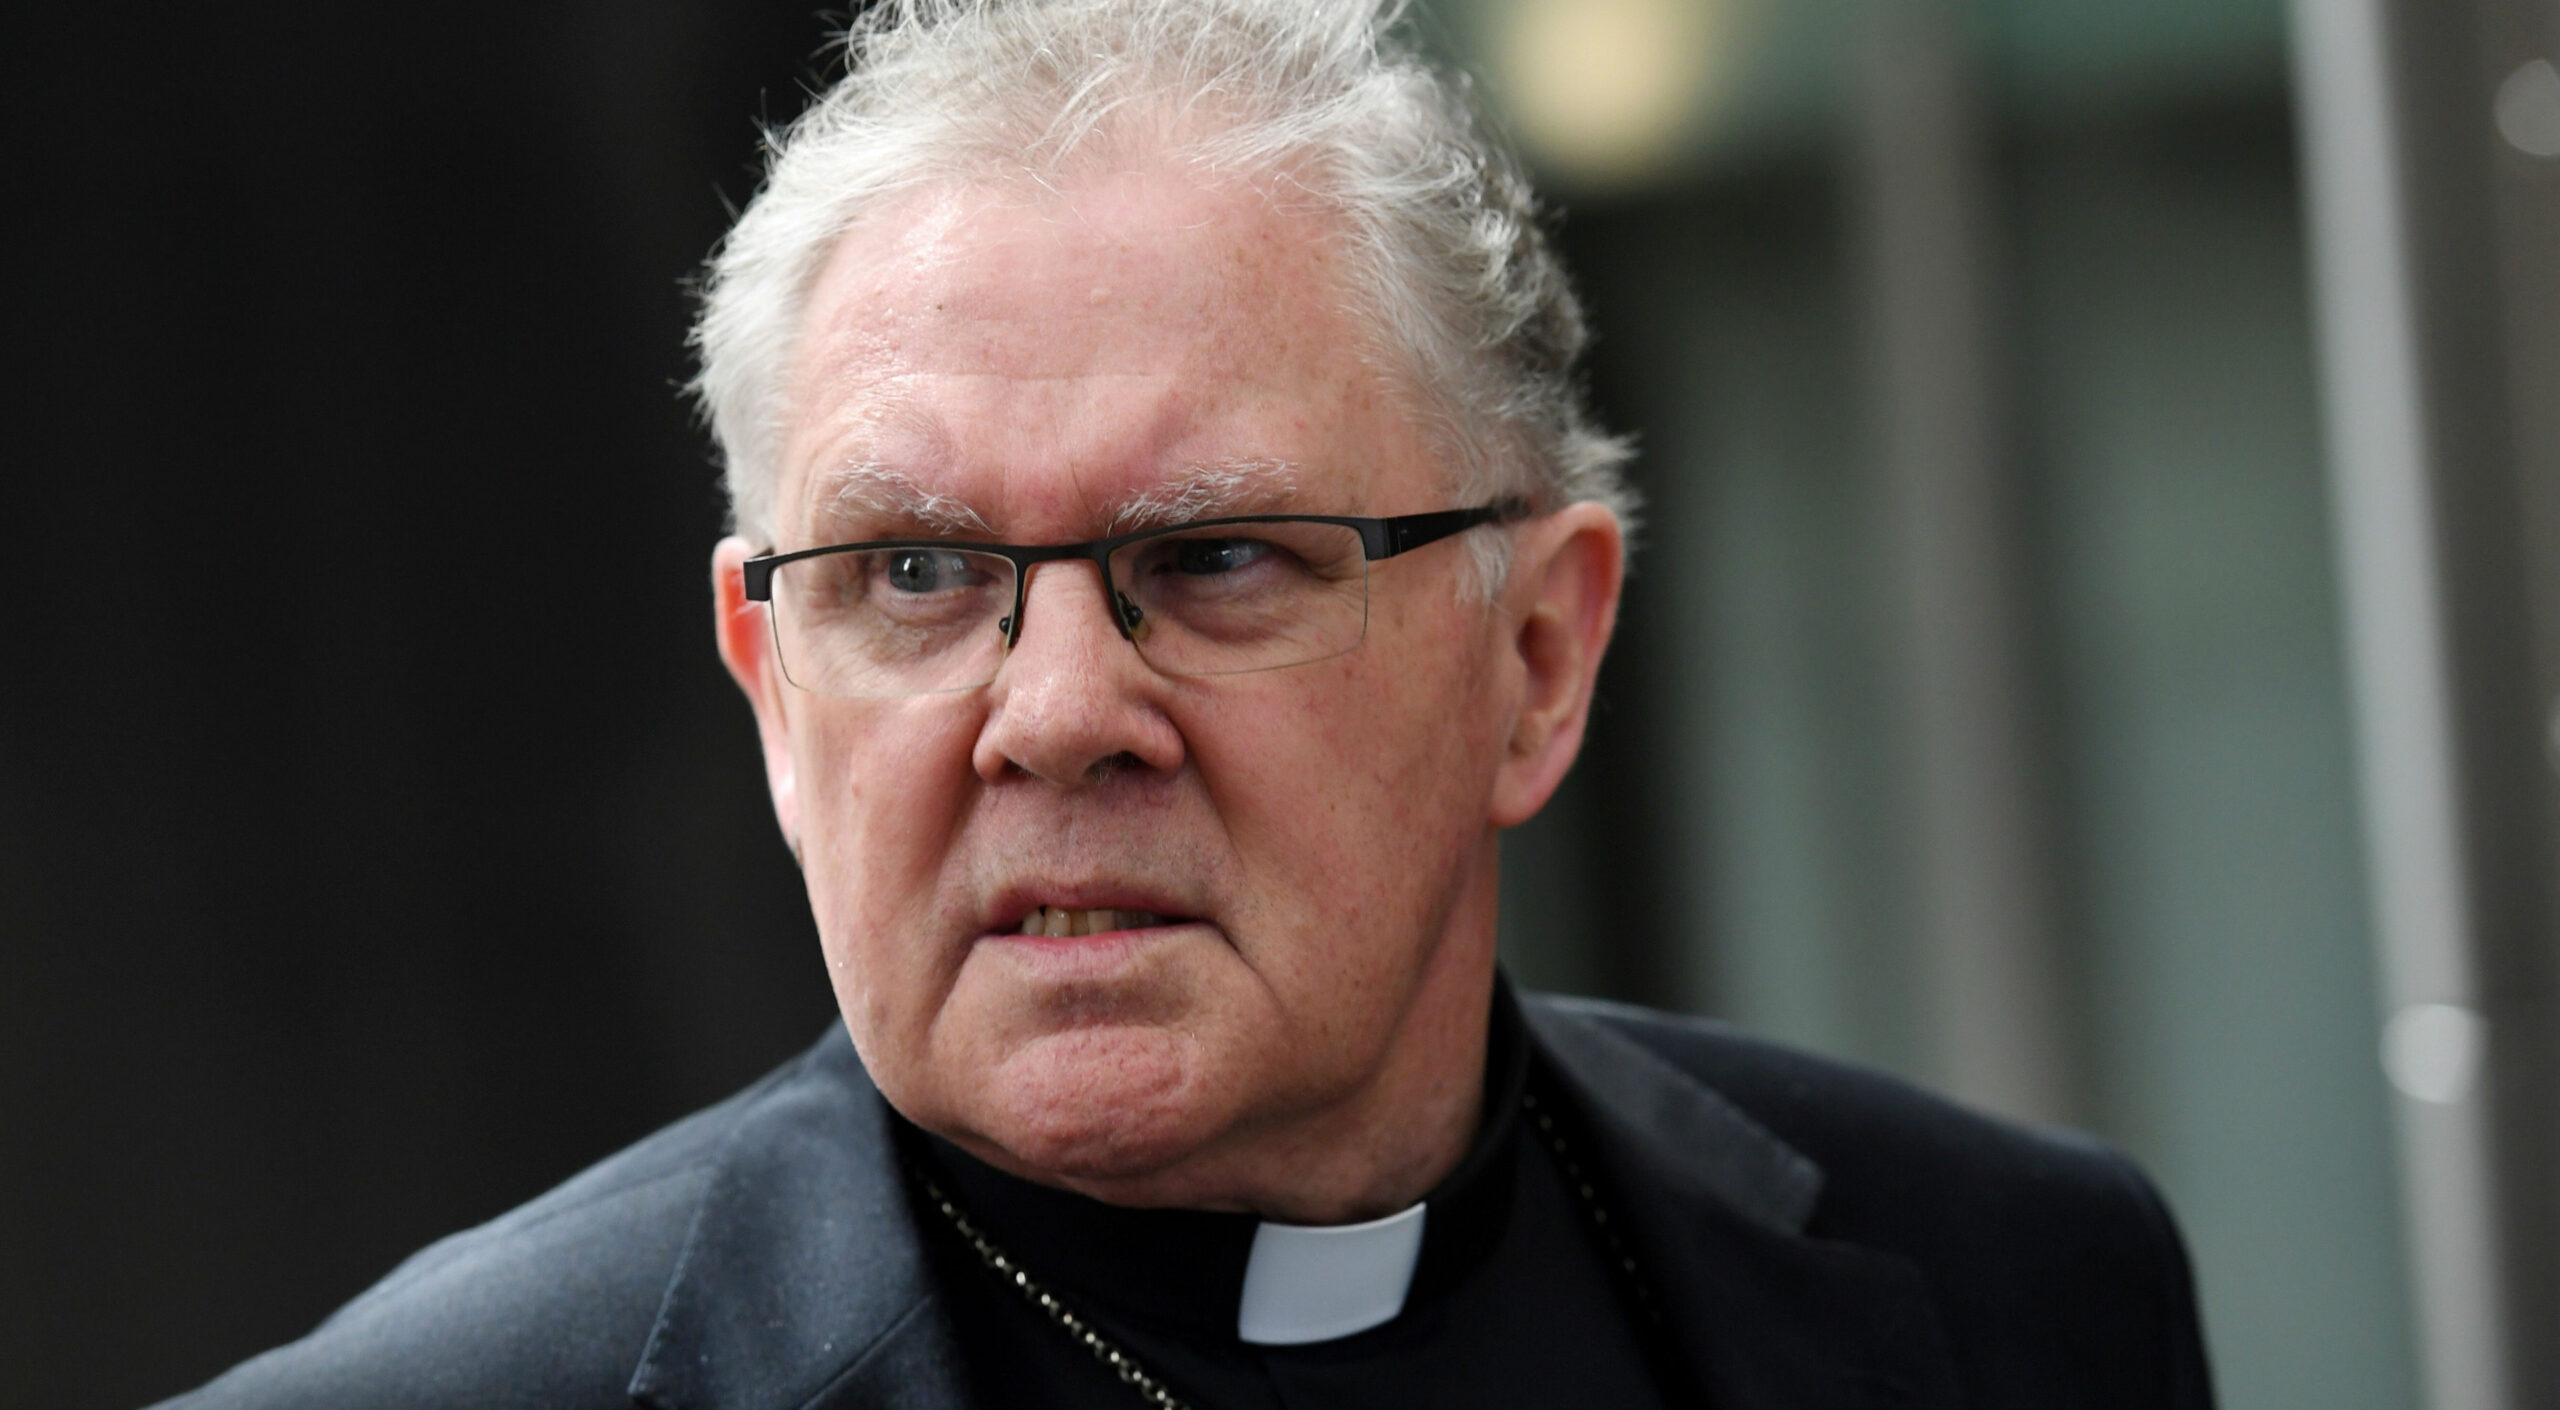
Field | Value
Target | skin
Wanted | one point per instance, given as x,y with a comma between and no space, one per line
1307,1043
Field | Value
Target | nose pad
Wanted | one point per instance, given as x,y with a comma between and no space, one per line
1125,616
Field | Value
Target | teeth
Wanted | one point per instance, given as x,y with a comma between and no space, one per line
1059,923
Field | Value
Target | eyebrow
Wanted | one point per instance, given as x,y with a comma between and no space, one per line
1210,491
868,489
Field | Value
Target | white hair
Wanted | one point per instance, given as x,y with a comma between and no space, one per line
1320,97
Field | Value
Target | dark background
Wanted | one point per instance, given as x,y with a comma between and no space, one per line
380,840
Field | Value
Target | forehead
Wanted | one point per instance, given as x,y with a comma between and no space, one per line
1042,359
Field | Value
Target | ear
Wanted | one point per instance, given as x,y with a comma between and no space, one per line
746,647
1561,604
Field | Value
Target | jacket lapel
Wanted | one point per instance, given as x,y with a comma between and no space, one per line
802,1283
1717,1207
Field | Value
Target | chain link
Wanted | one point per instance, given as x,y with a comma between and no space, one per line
1118,1361
1622,1263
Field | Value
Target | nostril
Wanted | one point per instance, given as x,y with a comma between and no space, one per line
1105,768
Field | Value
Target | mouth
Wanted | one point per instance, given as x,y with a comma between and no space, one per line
1082,907
1068,923
1079,935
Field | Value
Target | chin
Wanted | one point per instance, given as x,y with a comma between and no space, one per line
1098,1104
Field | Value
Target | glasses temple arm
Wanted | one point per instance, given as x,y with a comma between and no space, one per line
1411,531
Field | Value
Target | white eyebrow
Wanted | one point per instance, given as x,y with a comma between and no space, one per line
866,487
1209,492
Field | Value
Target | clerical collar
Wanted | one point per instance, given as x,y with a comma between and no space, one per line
1218,1277
1317,1283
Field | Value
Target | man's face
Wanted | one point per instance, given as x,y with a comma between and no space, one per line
1316,839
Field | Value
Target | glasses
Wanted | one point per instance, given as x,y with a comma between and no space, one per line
1213,597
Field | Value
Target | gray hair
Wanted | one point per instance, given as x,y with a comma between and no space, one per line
1322,96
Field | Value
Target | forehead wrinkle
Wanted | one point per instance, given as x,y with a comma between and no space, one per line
1209,491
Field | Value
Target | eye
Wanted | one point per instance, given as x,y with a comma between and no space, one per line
921,570
1206,557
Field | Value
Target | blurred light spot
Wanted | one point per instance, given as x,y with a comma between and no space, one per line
2529,109
2432,1051
1605,91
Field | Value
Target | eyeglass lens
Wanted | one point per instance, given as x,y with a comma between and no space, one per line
1218,600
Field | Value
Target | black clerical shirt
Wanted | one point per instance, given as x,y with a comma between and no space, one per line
1512,1301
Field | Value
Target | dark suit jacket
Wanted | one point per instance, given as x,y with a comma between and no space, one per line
1822,1237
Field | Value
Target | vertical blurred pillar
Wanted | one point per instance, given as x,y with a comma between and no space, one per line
1991,996
2438,313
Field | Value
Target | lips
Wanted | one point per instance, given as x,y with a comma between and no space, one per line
1063,923
1073,907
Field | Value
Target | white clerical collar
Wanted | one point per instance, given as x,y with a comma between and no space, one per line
1305,1283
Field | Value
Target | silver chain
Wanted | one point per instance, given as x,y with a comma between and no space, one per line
1104,1349
1638,1290
1121,1363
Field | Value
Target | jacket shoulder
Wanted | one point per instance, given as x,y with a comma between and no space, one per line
1849,1119
549,1305
2014,1227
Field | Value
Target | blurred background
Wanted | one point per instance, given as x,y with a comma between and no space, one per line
2096,648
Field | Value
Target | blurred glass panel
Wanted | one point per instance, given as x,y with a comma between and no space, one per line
2208,758
1747,782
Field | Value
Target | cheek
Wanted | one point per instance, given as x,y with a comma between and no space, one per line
1350,789
882,787
1426,716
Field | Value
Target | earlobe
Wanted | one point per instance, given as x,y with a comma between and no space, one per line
1565,606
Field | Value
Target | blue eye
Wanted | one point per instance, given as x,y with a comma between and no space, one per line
1204,557
921,570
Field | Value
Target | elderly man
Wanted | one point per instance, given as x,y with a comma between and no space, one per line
1170,549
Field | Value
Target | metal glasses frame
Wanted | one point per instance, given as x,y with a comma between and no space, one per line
1379,538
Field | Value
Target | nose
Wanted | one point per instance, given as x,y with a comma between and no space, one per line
1072,703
